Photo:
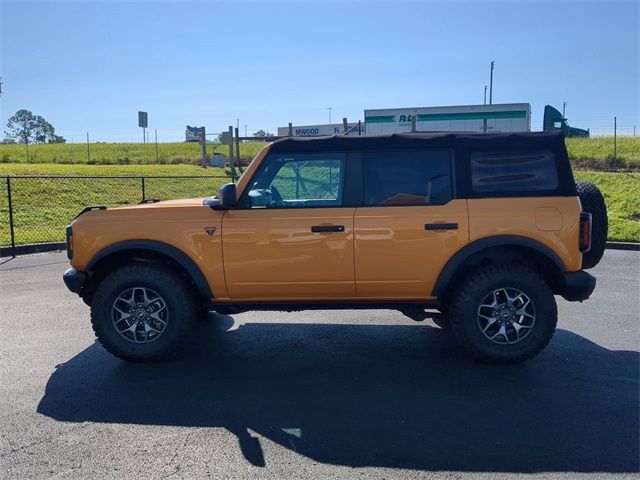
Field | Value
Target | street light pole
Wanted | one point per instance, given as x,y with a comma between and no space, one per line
491,84
485,94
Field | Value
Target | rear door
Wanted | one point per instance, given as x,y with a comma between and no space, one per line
410,224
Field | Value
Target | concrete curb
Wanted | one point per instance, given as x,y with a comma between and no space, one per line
623,246
35,248
51,247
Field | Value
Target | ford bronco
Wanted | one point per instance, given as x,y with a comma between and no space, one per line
477,232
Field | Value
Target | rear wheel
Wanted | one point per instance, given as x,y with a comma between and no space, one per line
592,202
503,314
141,312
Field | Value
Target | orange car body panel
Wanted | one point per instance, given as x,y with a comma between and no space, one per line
552,221
384,253
180,224
271,254
396,257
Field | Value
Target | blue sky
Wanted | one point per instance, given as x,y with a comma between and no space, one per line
90,66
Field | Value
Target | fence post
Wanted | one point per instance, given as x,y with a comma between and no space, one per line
237,148
203,147
155,132
11,229
143,189
88,152
231,161
615,141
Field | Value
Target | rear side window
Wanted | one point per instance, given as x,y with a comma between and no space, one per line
407,178
501,173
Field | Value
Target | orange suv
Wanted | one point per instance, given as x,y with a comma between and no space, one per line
477,232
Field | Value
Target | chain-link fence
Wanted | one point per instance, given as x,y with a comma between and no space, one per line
35,209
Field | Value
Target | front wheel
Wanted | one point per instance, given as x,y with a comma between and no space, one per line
503,314
141,312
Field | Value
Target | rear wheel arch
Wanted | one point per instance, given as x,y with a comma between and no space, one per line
146,251
500,249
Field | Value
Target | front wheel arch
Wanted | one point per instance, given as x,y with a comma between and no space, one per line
145,251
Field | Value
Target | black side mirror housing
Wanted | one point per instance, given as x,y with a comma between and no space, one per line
227,196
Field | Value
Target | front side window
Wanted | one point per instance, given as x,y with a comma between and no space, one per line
299,180
407,178
513,172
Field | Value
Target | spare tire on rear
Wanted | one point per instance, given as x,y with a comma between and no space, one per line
593,202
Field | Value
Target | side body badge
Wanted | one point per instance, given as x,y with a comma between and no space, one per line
210,230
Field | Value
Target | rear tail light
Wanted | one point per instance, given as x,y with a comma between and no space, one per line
585,232
69,242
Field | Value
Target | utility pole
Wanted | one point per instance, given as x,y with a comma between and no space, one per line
491,84
564,105
0,86
485,94
329,108
245,130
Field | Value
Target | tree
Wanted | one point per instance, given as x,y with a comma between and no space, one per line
25,127
21,127
262,133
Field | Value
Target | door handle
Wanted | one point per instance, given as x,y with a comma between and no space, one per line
327,228
441,226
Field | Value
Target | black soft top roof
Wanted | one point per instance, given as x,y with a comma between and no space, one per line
468,141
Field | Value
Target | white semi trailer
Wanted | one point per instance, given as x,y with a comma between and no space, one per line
318,130
505,117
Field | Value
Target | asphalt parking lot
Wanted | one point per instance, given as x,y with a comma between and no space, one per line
346,394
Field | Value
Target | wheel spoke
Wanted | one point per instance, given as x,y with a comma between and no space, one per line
129,328
501,331
148,328
523,313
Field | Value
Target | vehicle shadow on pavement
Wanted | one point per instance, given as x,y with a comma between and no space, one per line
363,395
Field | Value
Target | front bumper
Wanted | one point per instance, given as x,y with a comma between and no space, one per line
577,286
74,280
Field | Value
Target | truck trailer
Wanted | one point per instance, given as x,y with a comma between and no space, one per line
505,117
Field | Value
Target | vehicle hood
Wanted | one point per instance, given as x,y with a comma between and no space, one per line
185,202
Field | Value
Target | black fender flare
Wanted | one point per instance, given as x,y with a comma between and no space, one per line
467,252
170,251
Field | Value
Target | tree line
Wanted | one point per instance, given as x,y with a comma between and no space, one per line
25,127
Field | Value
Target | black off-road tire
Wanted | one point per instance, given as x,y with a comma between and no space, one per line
593,202
465,301
180,304
442,322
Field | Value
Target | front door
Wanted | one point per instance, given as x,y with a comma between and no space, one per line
409,225
291,238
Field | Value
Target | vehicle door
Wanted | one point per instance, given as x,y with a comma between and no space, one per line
291,237
410,224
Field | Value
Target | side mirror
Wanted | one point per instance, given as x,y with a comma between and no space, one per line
227,196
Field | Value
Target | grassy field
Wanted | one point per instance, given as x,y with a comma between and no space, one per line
590,153
42,207
117,153
622,195
597,153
